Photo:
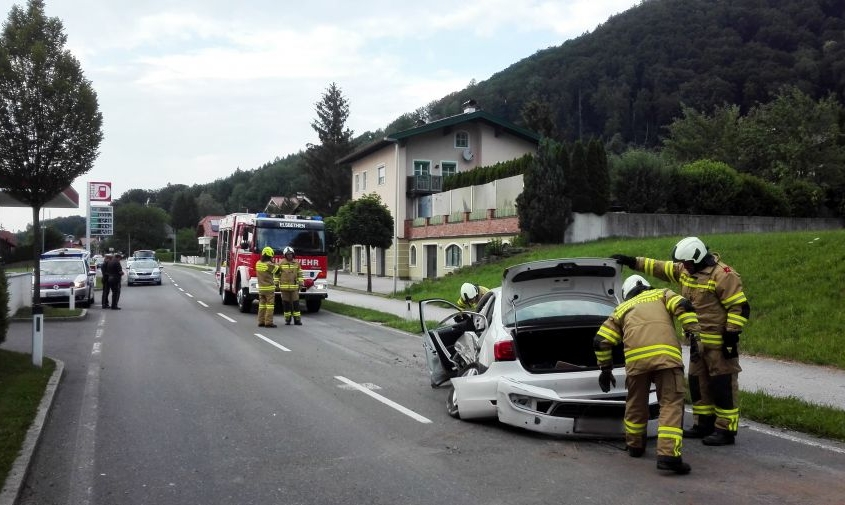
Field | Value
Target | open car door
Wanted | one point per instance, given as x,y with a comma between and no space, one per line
452,345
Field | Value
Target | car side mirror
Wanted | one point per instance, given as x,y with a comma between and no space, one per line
244,245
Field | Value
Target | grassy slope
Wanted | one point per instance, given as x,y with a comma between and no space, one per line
795,283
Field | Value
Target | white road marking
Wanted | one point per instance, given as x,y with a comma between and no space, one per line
202,303
390,403
795,439
227,318
96,348
274,344
182,290
174,284
82,470
189,295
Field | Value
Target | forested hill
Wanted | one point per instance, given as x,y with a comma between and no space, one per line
626,80
630,75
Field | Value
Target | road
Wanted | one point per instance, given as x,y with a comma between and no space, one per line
178,399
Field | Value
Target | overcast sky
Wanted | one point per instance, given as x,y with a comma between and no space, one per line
194,89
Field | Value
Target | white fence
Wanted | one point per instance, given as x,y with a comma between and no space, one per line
20,291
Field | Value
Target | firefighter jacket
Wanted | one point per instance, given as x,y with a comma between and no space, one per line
265,270
644,326
715,292
290,275
472,305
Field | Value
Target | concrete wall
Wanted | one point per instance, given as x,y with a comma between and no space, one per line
588,227
20,291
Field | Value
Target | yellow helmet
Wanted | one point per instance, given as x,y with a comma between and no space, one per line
268,251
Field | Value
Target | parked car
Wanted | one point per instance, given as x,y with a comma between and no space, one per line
526,356
144,271
61,273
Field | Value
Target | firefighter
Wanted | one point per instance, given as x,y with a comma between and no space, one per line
290,279
470,296
265,271
643,324
715,289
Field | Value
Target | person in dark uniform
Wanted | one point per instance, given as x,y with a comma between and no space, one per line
106,287
114,270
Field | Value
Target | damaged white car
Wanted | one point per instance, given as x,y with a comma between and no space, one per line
526,356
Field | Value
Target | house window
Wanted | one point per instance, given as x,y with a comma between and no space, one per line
422,167
381,175
412,256
364,181
357,182
448,168
462,140
453,256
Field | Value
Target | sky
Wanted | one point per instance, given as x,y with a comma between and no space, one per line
192,90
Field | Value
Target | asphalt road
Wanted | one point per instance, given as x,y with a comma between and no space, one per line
178,399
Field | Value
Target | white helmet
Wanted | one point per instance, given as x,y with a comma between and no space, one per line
689,249
468,291
631,283
287,250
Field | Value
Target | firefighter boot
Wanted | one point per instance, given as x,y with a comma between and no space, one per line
704,427
297,321
287,320
719,437
673,463
636,452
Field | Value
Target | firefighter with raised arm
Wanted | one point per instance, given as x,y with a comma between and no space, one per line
643,325
715,289
265,272
290,280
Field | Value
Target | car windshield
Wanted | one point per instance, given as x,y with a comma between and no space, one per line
144,254
557,311
144,264
62,268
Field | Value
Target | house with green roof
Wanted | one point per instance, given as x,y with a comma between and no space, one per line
437,232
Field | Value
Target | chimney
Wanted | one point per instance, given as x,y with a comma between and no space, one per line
470,106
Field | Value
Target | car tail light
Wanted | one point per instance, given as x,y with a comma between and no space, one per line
503,351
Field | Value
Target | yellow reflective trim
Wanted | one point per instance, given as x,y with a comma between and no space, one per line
731,415
690,282
670,429
737,319
673,302
648,266
669,271
709,338
734,300
687,318
704,410
653,350
634,428
609,334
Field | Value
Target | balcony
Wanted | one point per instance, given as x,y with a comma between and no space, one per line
424,184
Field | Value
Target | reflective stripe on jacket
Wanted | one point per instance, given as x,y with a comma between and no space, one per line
715,292
643,325
264,272
290,275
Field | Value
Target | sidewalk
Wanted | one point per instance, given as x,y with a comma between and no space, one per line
814,384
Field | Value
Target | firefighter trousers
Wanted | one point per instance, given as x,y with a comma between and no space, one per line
714,390
290,305
669,383
266,305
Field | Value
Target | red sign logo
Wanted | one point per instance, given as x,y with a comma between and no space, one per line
99,191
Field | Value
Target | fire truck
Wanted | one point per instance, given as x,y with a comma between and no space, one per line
240,240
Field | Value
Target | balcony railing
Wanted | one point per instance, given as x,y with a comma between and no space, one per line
423,184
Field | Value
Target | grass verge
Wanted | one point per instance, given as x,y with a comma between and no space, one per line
23,386
789,413
26,312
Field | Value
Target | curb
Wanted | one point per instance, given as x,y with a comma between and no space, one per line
28,319
14,481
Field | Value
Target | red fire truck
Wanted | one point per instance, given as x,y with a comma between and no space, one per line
240,241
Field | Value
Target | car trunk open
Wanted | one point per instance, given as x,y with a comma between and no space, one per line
563,348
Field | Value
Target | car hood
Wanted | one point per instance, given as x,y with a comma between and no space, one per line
598,279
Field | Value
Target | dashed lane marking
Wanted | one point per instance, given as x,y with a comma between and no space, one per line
271,342
202,303
390,403
227,318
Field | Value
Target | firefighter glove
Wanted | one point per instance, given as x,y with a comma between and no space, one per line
628,261
606,379
694,355
730,344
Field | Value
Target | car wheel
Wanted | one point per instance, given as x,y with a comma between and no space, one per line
451,401
313,305
228,297
244,301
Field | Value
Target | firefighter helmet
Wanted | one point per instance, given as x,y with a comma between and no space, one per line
288,250
631,283
268,251
468,292
689,249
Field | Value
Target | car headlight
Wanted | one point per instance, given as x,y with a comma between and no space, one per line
80,282
156,271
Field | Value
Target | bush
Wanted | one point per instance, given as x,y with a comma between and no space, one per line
707,187
757,197
495,247
640,182
805,198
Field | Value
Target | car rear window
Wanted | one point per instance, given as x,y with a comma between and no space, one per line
555,311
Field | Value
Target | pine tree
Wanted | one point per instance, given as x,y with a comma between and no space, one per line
543,207
329,184
578,180
598,177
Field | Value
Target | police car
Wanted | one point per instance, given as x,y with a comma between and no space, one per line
65,271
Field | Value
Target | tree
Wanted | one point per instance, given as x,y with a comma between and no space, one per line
578,179
183,211
544,209
208,206
365,221
138,227
50,124
329,184
538,116
599,177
